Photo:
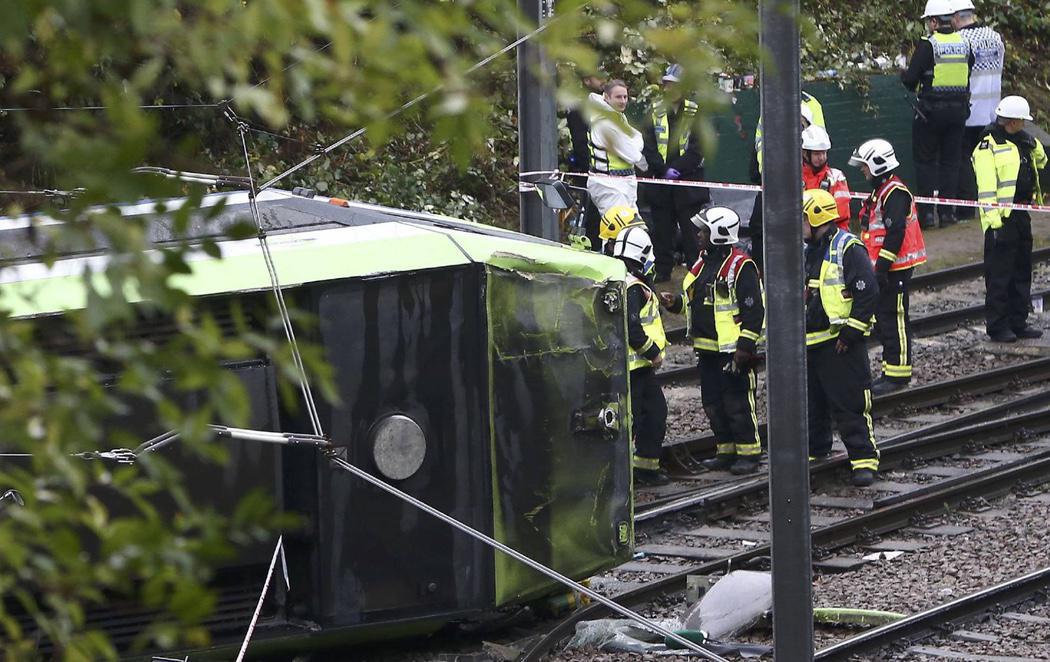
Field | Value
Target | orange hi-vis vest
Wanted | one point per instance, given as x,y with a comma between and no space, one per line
913,250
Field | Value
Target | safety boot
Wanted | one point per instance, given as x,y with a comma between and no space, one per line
887,386
744,465
649,477
1028,332
862,477
720,462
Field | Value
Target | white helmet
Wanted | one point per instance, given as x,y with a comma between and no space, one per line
1014,108
807,114
936,8
816,138
877,154
633,243
962,5
723,222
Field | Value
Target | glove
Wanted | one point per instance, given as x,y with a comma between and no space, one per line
848,337
742,360
671,173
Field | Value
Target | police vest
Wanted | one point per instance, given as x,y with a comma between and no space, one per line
951,68
662,127
835,297
604,161
996,165
913,248
809,102
651,324
723,298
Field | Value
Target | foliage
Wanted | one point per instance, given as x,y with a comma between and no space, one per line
300,73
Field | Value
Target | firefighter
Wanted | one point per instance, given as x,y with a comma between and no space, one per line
841,293
940,71
1009,163
817,173
723,295
892,234
616,219
672,150
645,335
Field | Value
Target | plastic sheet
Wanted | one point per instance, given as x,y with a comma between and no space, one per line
734,604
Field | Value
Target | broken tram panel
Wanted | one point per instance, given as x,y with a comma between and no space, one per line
481,371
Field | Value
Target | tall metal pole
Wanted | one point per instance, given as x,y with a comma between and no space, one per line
537,122
786,365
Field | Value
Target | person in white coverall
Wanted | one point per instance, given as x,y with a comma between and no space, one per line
616,149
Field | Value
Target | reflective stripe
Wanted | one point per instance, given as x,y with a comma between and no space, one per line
891,370
951,54
872,463
752,382
647,463
858,325
651,324
817,337
749,450
706,344
902,332
750,335
887,254
725,449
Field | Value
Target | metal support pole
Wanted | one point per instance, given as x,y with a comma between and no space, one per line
537,122
786,365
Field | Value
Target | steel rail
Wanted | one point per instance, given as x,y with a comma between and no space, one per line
922,327
935,441
924,623
927,395
989,482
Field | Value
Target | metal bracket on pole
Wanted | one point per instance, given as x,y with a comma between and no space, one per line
786,367
537,122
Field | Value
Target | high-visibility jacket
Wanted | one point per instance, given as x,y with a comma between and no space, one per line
912,252
728,328
951,68
835,297
651,324
810,102
662,127
603,160
996,165
834,182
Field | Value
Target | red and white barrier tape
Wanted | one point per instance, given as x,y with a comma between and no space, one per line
525,186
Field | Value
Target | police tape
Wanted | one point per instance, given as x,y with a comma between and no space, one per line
524,187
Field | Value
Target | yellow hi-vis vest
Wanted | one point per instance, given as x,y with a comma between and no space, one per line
651,323
605,161
951,69
834,296
726,308
809,102
662,127
996,165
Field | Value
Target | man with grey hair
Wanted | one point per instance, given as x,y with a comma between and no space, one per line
986,82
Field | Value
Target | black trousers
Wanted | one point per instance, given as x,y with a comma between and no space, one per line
937,149
1008,274
893,326
754,229
670,219
591,221
649,412
967,189
839,389
729,401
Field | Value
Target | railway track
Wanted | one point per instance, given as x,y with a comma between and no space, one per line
905,506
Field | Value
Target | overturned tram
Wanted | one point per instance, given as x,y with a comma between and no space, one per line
479,370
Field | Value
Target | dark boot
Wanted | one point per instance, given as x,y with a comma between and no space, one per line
747,464
1028,332
885,386
862,477
649,477
720,462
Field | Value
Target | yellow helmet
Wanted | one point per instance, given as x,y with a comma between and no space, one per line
819,207
617,218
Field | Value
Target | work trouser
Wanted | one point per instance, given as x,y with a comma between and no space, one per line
649,414
1008,274
729,402
893,326
967,179
937,150
670,219
754,230
608,191
591,223
839,388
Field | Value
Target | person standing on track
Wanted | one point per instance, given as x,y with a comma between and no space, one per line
986,89
890,230
616,149
940,71
841,294
817,173
672,150
723,296
645,335
1010,165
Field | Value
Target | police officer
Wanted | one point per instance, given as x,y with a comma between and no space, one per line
841,293
672,151
940,71
645,335
723,295
892,234
818,173
1009,163
986,86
